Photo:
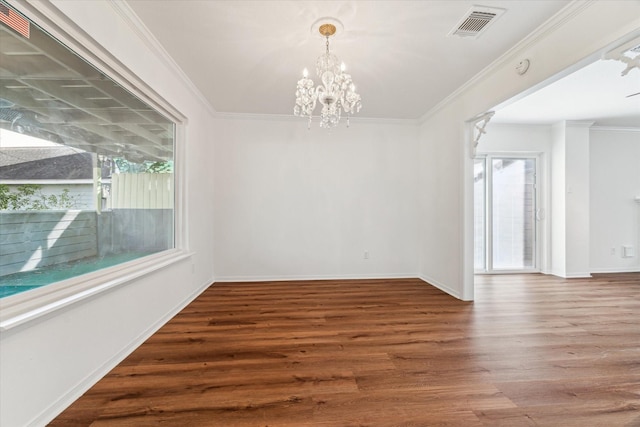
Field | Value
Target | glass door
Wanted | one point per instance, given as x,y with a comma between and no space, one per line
505,214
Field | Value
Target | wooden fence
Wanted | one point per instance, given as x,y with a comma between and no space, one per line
30,240
139,218
135,230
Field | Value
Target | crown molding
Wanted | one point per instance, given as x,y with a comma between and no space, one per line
615,129
578,123
138,27
560,18
292,118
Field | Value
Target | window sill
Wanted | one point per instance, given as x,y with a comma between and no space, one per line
22,308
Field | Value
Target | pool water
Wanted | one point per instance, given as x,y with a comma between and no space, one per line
21,282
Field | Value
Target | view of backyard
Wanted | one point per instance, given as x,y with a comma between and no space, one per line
86,167
45,238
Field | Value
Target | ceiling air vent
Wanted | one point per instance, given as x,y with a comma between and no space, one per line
476,21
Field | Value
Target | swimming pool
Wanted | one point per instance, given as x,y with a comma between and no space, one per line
21,282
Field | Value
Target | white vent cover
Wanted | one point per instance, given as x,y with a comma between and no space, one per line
476,21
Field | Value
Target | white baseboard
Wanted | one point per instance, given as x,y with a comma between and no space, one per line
426,279
582,275
73,394
572,275
616,270
313,277
441,286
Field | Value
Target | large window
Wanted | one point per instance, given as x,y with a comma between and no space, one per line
86,167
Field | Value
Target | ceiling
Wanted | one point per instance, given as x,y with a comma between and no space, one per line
246,56
597,93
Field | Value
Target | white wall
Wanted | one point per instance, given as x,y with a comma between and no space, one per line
614,185
446,183
570,199
609,172
515,138
46,363
293,203
441,203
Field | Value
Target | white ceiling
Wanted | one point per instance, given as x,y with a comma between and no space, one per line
597,92
246,56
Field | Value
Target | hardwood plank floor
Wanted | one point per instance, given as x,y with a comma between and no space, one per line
532,350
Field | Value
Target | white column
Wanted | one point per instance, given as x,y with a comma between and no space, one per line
570,199
577,199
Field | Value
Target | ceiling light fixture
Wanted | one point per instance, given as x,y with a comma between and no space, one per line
336,92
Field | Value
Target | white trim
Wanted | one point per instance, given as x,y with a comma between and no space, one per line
540,187
428,281
635,269
305,120
220,279
123,9
615,129
578,123
24,307
583,275
442,287
510,154
180,189
505,272
47,181
467,235
47,16
86,383
557,20
27,306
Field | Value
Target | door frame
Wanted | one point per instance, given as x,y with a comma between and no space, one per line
488,209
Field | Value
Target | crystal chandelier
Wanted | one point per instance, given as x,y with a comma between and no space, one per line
336,93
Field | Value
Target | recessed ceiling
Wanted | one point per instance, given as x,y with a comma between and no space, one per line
246,56
597,93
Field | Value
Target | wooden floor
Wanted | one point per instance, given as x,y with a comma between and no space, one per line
532,350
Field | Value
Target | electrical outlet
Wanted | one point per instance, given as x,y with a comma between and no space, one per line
366,254
613,251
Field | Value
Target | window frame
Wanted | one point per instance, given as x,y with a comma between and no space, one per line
26,306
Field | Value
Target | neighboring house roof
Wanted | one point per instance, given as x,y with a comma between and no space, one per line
45,163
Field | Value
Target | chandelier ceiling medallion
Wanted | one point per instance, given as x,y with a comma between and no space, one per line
335,92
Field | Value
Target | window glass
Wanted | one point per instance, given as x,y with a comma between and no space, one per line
86,167
513,210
